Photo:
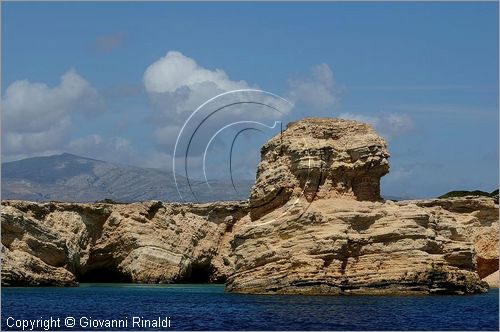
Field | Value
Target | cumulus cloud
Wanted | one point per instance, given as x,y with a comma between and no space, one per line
36,117
31,107
318,90
176,70
26,143
117,149
177,86
388,125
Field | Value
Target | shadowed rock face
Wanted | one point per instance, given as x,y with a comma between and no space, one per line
319,159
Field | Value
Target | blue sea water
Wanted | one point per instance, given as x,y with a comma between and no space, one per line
208,307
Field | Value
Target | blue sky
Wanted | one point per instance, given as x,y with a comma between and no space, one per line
424,74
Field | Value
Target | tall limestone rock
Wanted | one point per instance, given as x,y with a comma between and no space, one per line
319,159
320,227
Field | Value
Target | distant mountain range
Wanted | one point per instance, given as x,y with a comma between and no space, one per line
70,178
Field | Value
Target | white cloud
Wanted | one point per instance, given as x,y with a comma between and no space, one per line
177,86
318,90
117,149
175,70
36,117
35,142
34,107
96,141
388,125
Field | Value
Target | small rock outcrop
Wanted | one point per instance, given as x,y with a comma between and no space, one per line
492,280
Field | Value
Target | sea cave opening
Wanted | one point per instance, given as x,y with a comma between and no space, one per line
199,273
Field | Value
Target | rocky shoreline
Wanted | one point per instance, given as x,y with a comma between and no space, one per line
350,247
314,224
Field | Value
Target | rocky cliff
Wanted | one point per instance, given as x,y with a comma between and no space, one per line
314,224
150,242
340,246
319,226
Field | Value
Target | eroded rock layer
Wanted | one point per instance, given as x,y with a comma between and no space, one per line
319,159
150,242
340,246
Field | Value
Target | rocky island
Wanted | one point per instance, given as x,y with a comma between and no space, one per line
315,223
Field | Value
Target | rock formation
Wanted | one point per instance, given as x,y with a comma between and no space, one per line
318,228
476,219
315,224
319,159
492,280
150,242
339,246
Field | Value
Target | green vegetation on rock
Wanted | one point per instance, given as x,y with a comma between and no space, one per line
462,193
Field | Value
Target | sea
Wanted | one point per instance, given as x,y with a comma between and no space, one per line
209,307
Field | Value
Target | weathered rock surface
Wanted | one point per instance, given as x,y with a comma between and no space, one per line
318,228
338,246
150,242
476,219
492,280
22,269
319,159
32,254
315,224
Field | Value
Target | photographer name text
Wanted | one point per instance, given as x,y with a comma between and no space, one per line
52,323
